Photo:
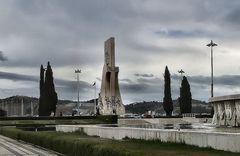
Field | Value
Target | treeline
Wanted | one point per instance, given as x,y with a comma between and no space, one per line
143,107
157,107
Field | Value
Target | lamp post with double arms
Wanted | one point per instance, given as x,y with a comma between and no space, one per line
181,72
211,45
77,71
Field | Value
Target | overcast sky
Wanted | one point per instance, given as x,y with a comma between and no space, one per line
149,34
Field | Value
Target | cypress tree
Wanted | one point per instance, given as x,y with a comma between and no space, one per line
167,100
50,95
185,100
41,108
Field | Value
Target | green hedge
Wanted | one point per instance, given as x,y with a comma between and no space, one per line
99,117
15,121
64,143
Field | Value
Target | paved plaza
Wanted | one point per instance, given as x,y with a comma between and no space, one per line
10,147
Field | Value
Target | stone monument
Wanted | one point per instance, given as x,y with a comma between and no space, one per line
109,100
226,110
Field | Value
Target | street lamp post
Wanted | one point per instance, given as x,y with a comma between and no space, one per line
77,71
211,44
95,91
181,72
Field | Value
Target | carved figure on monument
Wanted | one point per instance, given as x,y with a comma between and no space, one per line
237,106
100,105
109,100
221,111
216,114
228,111
222,114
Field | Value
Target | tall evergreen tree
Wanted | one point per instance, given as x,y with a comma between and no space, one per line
185,100
50,95
167,100
41,106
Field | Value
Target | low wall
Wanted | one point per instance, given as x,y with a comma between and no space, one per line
226,110
184,120
215,140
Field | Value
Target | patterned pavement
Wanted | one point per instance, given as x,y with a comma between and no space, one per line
10,147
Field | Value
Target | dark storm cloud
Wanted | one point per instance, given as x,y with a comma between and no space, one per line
144,75
68,85
151,81
135,88
2,57
142,85
186,34
149,87
99,79
17,77
223,80
233,17
126,80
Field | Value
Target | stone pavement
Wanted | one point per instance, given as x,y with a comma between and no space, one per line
10,147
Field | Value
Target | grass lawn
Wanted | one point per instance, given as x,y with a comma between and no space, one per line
80,144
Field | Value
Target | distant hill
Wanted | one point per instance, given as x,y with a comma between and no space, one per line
26,99
136,108
19,99
143,107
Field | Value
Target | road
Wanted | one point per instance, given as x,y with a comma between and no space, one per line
10,147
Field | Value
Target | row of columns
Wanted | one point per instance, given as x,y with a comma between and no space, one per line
16,109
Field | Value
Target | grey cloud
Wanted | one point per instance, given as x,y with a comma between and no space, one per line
146,48
70,33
